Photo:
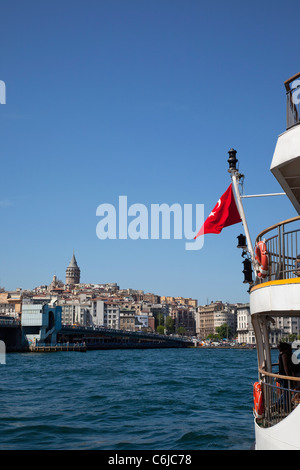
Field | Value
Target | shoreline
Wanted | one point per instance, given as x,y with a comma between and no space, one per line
80,348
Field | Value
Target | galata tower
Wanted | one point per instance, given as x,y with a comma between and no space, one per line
73,272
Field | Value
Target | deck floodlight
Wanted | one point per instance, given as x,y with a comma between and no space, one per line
232,160
242,242
247,271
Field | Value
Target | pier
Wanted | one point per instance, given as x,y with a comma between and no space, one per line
107,338
57,347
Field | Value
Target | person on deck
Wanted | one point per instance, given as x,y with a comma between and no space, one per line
286,369
285,362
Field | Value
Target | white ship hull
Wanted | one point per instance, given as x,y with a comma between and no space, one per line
282,436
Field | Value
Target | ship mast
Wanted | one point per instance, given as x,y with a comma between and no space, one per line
235,177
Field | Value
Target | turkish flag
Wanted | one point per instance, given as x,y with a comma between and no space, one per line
224,213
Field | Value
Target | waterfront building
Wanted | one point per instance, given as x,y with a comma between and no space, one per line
97,311
105,313
82,311
284,328
40,323
111,318
10,302
90,312
7,308
72,272
37,299
184,317
127,320
151,323
84,316
245,332
210,317
281,328
132,320
75,312
141,321
68,312
226,315
205,319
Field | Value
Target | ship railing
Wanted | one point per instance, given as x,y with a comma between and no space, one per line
283,245
292,86
40,344
281,395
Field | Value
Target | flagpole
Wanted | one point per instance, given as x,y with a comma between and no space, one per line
235,180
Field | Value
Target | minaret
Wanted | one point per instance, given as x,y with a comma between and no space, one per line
73,272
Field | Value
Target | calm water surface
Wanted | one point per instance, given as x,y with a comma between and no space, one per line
161,399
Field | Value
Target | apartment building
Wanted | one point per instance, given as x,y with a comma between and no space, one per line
283,328
245,332
205,318
105,313
184,317
127,320
111,315
10,303
76,312
226,315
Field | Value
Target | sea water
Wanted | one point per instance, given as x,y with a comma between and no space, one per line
145,399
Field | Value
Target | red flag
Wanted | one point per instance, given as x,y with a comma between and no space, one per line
224,213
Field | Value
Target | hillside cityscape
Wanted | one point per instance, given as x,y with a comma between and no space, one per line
106,305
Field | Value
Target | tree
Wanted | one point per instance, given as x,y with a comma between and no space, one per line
213,337
223,331
160,329
181,330
169,325
159,320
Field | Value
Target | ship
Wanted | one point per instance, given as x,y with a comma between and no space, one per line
272,270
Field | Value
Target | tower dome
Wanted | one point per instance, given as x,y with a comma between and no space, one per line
73,272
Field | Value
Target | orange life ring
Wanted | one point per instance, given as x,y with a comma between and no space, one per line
258,400
262,257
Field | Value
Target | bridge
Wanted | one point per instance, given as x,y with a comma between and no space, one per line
13,334
107,338
10,332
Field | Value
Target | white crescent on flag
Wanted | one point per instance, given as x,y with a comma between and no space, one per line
224,214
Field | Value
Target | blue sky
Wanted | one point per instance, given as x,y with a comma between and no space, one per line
144,99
